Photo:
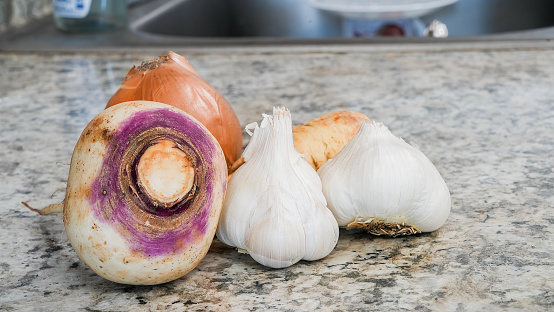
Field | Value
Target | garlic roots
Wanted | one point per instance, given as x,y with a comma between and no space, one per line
274,208
144,194
380,183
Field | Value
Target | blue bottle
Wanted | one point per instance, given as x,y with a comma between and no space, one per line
90,15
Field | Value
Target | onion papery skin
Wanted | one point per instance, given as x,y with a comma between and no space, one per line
172,80
115,228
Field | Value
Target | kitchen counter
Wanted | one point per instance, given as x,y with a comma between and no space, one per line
483,115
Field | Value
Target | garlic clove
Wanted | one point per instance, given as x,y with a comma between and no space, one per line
382,184
276,238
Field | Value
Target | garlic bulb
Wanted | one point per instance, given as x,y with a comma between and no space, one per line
274,208
380,183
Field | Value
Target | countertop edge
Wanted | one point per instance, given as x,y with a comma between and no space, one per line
328,47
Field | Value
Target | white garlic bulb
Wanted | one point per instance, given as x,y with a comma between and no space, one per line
382,184
274,208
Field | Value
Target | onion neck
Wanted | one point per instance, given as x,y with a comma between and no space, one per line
151,64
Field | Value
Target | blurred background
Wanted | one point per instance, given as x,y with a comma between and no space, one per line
35,24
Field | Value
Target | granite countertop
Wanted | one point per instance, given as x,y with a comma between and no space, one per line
483,116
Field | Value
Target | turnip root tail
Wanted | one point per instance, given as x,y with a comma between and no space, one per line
48,210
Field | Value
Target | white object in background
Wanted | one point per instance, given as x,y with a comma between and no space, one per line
72,8
380,9
436,29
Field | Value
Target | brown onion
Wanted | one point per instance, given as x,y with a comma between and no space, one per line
170,79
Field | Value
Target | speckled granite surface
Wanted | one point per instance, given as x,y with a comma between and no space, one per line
484,117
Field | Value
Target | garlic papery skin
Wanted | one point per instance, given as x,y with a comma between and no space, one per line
274,207
382,184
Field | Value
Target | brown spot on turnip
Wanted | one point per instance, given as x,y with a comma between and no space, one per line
106,135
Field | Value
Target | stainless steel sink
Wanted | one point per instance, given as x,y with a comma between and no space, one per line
297,19
238,18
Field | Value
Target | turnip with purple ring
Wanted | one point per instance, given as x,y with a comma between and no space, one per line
144,194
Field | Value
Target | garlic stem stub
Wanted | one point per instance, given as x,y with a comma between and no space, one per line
384,185
144,193
274,208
